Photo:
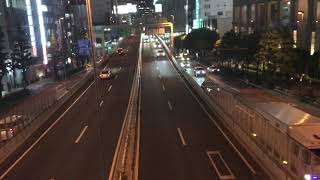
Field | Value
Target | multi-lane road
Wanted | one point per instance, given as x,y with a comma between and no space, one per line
178,139
79,145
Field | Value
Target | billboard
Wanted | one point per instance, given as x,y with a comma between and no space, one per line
84,47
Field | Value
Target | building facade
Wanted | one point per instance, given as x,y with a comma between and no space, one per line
102,11
301,17
216,14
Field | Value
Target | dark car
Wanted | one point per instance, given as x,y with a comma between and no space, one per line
199,71
120,51
209,85
106,74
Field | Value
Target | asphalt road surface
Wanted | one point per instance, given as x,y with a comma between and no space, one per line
178,139
71,150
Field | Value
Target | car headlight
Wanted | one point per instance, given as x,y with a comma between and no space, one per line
188,59
203,72
182,65
218,70
198,72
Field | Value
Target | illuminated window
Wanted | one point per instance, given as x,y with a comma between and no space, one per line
294,34
313,41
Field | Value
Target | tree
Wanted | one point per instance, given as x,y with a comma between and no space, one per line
179,42
230,40
3,57
21,55
269,51
314,65
201,40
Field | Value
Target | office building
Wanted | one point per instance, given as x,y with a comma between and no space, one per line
216,15
102,11
301,17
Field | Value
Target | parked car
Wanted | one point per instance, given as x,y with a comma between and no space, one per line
10,125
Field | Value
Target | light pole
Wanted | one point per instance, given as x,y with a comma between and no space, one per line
89,18
172,16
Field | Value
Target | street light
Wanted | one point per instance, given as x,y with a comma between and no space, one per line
89,19
172,16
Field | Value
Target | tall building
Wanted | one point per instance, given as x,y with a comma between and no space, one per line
216,14
301,17
102,11
175,11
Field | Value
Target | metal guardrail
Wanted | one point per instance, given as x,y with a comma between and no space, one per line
125,158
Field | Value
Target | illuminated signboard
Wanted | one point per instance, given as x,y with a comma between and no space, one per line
126,9
42,32
31,28
158,8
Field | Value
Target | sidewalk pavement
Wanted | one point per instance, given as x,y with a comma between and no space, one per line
40,88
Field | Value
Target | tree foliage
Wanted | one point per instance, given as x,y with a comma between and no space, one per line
230,40
21,56
201,39
179,42
269,49
3,55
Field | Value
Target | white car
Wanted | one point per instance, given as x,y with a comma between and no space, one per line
160,53
212,69
199,71
157,46
185,64
184,58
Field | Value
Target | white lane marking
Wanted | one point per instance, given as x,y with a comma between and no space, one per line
169,104
217,125
157,68
45,133
218,155
181,137
159,76
61,96
81,134
120,68
116,77
109,88
163,88
101,103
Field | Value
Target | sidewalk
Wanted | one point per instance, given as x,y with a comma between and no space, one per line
37,89
255,94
